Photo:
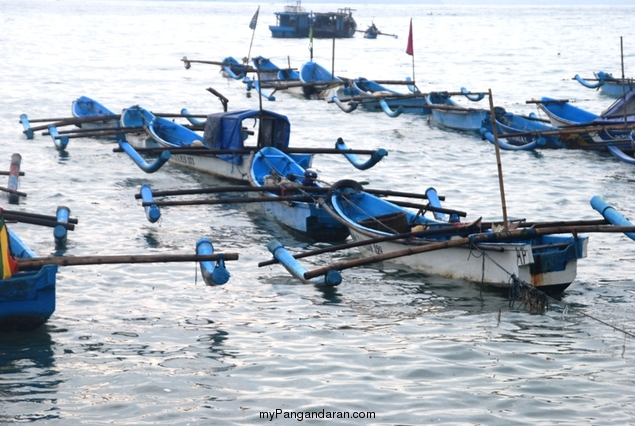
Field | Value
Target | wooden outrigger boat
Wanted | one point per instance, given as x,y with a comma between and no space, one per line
545,261
448,113
85,107
582,129
272,167
319,83
607,84
221,151
27,298
516,257
519,132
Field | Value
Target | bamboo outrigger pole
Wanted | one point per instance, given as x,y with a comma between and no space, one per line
498,159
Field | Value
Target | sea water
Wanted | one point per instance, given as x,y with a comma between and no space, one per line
152,344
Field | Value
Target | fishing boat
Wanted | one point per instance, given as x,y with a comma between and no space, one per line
320,83
301,214
270,76
448,113
296,22
87,108
27,298
607,84
372,32
472,251
521,132
224,137
234,69
561,113
582,129
374,93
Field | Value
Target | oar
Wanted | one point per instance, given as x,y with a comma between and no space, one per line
518,234
38,262
446,230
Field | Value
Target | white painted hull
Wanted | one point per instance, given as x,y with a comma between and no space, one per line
491,267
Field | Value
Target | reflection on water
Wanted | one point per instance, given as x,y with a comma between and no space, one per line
28,376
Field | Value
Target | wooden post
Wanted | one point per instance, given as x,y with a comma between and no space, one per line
498,159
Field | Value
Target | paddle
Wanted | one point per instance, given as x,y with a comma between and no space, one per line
38,262
518,234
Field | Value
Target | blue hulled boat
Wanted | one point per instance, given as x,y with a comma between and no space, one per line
27,298
607,84
271,166
296,22
448,113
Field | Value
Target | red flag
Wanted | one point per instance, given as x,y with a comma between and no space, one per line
409,49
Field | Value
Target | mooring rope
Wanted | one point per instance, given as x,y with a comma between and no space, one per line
537,301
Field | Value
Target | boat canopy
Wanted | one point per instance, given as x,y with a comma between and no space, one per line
226,131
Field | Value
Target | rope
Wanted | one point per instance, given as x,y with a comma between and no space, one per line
537,301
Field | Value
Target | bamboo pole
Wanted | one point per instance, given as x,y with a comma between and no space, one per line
38,262
275,188
518,234
498,160
450,230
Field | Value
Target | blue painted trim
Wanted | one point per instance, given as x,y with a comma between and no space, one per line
152,211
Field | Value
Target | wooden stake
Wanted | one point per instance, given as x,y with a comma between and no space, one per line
498,159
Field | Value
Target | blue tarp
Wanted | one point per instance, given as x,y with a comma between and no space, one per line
225,131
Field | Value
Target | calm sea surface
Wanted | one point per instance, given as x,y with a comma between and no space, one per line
151,344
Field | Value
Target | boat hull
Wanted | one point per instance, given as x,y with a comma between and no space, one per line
548,262
27,299
271,166
451,115
493,269
307,219
85,107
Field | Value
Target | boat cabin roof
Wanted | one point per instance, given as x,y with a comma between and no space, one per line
226,130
